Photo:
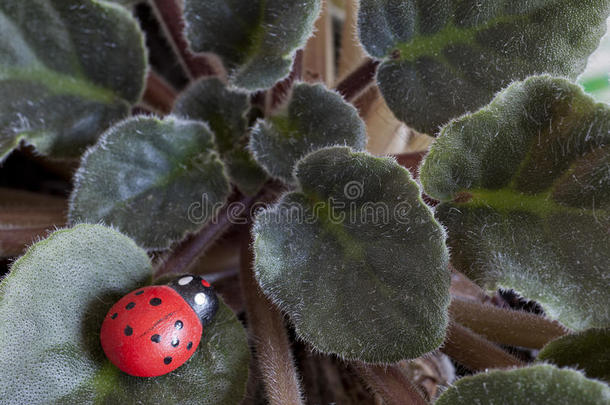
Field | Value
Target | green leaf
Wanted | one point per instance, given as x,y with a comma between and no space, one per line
536,385
226,112
526,192
255,39
52,305
356,259
588,351
314,118
444,58
156,180
68,70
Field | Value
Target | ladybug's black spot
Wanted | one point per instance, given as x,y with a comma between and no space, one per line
189,346
155,301
167,360
156,338
114,316
178,325
175,342
128,331
140,292
130,305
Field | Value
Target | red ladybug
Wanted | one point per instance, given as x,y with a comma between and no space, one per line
154,330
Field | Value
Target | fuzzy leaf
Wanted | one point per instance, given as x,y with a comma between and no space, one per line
154,180
537,385
314,118
588,351
255,39
52,305
68,70
444,58
356,259
526,191
226,113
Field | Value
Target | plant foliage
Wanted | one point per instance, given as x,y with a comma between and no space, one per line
444,58
356,259
68,70
526,192
256,39
166,180
314,118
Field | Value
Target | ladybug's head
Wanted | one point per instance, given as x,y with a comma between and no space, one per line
199,294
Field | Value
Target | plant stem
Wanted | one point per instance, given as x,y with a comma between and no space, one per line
463,287
235,212
278,93
273,352
391,383
474,351
410,160
169,14
359,80
516,328
158,93
180,258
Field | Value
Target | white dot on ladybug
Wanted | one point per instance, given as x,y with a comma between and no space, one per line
200,299
185,280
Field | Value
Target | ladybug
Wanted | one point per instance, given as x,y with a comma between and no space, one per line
154,330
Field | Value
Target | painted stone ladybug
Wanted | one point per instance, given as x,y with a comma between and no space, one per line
154,330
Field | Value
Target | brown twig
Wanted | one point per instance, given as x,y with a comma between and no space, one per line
273,352
158,93
516,328
169,14
391,383
359,80
474,351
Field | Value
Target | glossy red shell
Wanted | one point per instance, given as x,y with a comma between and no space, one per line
150,332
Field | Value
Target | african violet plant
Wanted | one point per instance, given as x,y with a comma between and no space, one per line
367,263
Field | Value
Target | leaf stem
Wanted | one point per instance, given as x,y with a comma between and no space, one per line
187,251
159,94
236,211
273,352
474,351
516,328
390,383
359,80
278,93
169,13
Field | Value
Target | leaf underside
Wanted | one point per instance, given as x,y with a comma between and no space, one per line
536,385
255,39
68,70
156,180
366,281
525,187
225,111
52,305
314,118
444,58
